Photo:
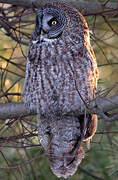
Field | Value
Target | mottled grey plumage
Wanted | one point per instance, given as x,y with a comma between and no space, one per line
61,76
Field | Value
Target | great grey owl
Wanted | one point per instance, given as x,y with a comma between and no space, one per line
61,77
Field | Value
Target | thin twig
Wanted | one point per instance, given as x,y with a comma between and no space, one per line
89,173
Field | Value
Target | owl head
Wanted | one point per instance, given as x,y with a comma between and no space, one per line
50,22
58,20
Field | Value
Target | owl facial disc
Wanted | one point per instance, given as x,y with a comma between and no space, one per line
50,23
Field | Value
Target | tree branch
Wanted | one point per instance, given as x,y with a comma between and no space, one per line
16,110
86,8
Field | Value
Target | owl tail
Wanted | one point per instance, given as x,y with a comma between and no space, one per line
66,134
65,150
65,164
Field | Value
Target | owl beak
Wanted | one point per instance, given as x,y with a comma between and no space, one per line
42,32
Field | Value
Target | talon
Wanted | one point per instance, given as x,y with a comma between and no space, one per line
88,144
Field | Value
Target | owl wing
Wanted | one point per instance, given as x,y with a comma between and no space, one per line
92,119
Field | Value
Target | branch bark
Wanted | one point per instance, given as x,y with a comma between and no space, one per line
86,8
16,110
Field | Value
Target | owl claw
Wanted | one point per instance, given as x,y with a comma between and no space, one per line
88,144
43,130
44,141
35,42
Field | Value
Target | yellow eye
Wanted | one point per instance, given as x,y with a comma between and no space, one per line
54,22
